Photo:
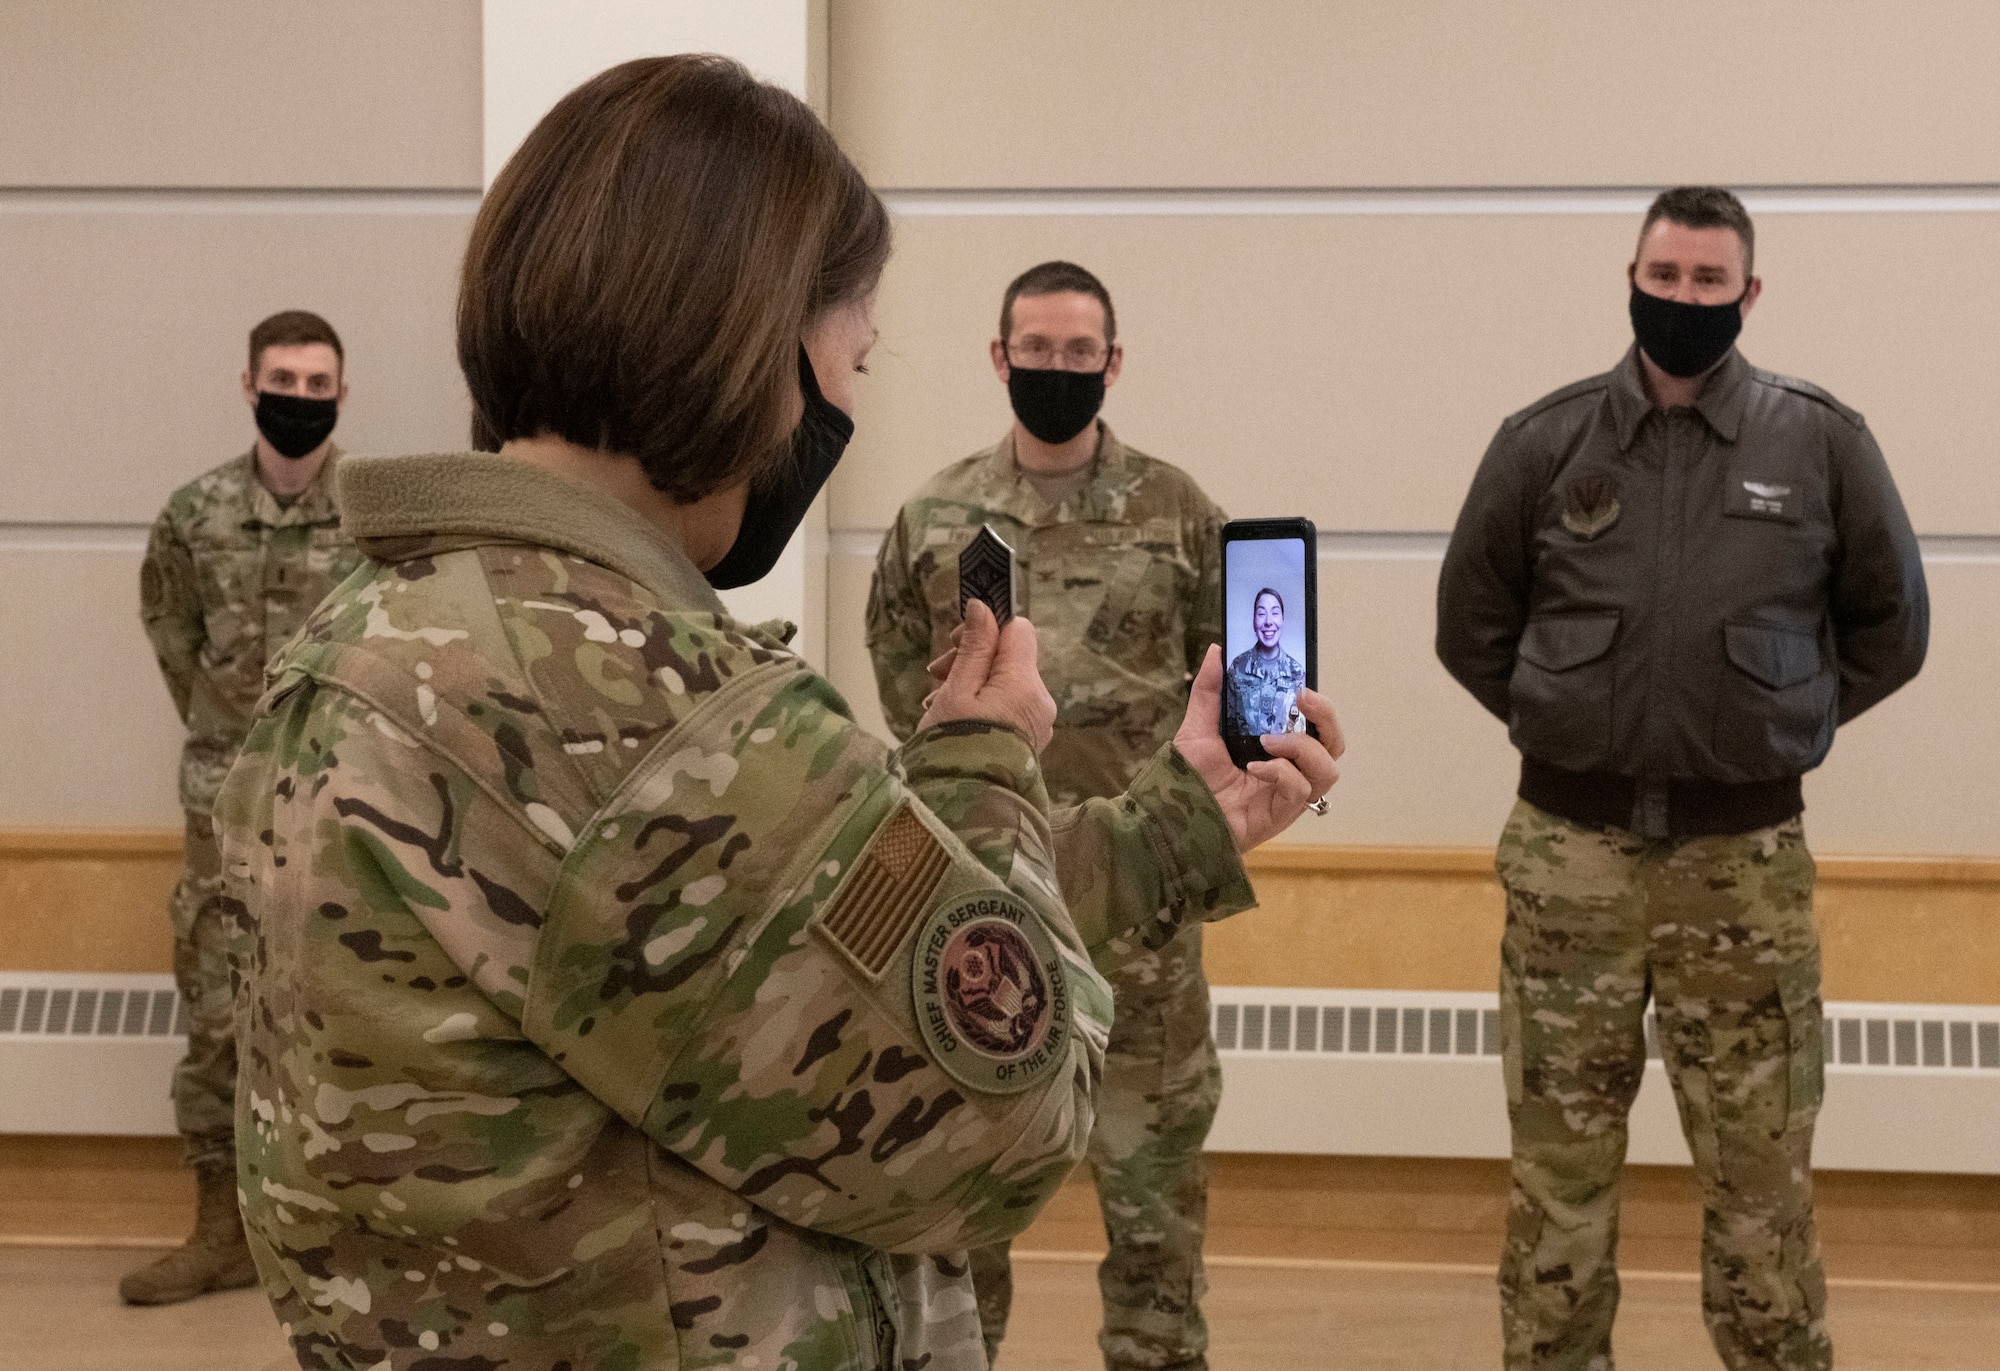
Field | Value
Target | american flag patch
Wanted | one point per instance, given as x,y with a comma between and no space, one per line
890,889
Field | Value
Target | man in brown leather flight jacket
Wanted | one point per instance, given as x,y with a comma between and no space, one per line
1673,581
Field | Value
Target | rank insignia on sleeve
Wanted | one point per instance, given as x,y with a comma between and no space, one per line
992,1001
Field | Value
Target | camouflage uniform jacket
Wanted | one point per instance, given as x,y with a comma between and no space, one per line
1260,692
229,575
1122,580
611,1000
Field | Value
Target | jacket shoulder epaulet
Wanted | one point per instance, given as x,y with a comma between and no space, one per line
1588,388
1811,392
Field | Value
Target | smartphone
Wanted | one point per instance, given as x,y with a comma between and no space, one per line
1270,630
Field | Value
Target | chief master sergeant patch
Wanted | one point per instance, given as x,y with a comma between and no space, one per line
991,998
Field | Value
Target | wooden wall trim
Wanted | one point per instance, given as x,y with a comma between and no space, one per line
1478,861
87,900
1894,929
1442,861
1300,857
90,843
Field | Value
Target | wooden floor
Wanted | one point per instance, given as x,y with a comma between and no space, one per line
59,1312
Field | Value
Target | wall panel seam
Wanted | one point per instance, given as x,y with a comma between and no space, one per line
916,202
1389,546
227,200
1335,545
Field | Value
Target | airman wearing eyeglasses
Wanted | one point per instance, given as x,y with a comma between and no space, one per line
1120,572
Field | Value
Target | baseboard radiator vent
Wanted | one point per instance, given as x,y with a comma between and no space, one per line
1355,1072
1909,1087
88,1052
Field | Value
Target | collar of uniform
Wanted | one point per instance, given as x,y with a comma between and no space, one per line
403,507
313,505
1723,395
1099,499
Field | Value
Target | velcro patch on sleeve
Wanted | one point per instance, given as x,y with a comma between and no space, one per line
991,996
889,891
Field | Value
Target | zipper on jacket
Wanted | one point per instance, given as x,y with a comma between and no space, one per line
874,1315
1679,449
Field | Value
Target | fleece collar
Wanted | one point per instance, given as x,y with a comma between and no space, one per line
398,508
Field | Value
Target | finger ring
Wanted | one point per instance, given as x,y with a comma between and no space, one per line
1317,806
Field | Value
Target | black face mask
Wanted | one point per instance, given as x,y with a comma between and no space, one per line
1055,405
1685,340
295,424
776,508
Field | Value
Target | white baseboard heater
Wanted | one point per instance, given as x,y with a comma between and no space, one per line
1398,1073
88,1052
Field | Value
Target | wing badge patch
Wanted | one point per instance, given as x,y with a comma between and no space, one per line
1590,505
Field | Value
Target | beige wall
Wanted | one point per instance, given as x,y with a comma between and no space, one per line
123,361
227,93
1343,341
1038,93
1364,360
91,738
1340,353
168,176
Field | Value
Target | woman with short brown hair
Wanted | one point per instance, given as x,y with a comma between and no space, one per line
610,999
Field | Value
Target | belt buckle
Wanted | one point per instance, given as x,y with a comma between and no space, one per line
1649,810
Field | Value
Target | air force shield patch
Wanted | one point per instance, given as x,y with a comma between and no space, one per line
991,997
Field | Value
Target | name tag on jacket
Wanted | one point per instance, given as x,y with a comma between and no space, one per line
1749,498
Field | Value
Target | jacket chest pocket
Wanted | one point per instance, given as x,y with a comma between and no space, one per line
1561,689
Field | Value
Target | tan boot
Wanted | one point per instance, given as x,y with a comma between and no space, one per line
215,1256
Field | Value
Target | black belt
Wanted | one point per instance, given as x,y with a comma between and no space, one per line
1660,809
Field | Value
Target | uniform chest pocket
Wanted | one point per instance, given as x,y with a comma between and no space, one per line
229,581
940,579
1145,596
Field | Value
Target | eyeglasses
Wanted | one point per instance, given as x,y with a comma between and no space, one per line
1081,354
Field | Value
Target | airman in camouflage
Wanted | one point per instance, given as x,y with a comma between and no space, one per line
610,1000
1263,685
232,569
1121,574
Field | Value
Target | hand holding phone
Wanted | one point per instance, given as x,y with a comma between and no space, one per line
1270,630
1261,799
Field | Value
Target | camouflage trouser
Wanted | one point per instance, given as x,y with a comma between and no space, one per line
205,1080
1162,1082
1719,932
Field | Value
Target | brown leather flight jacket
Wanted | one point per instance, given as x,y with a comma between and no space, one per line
1690,598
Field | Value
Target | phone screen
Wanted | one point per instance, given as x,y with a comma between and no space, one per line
1270,629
